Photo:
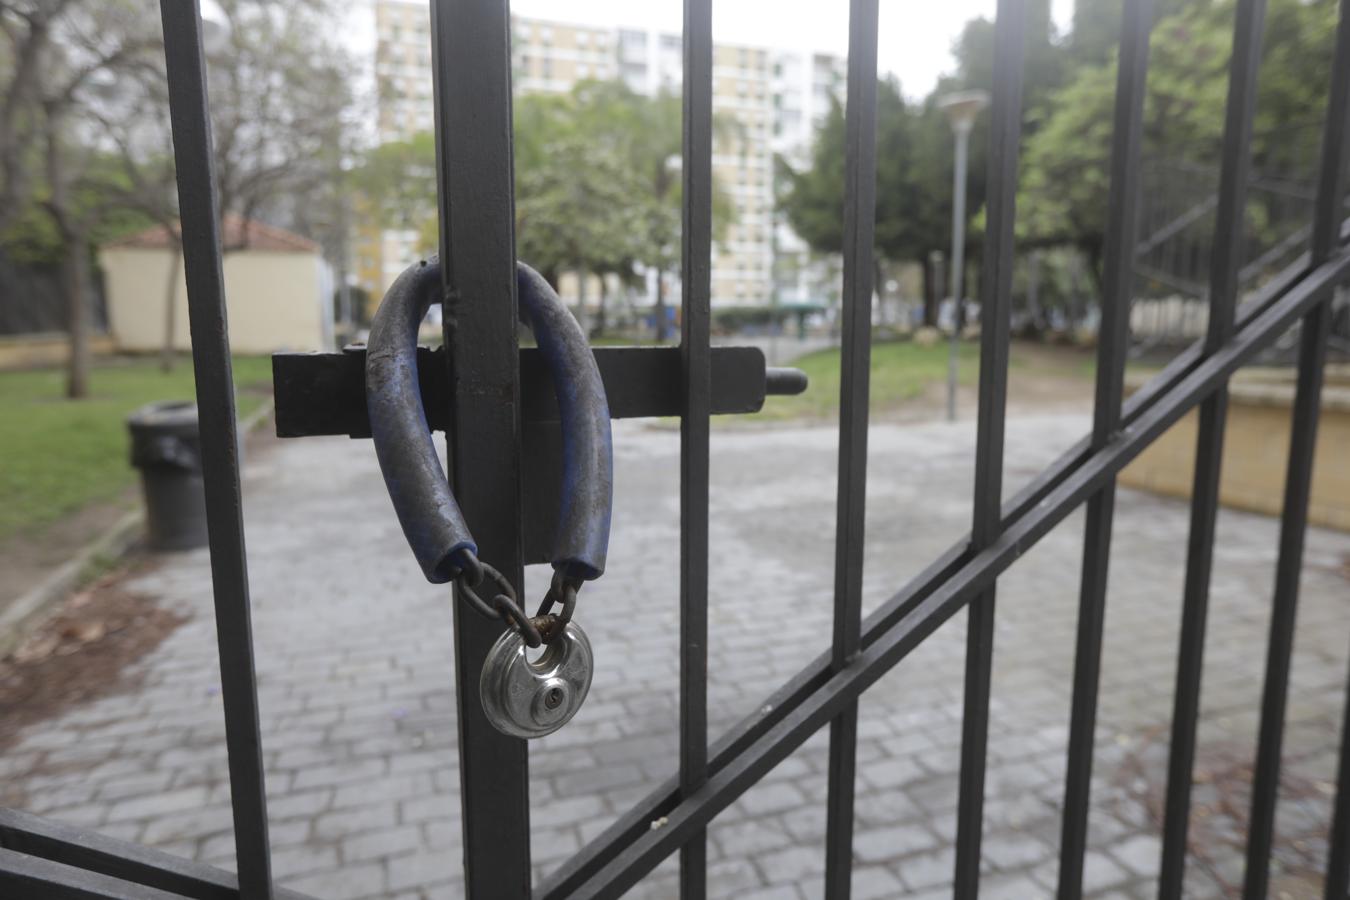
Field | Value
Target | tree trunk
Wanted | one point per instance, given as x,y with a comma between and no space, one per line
166,350
1078,305
661,331
932,288
581,301
77,316
1033,289
879,289
73,263
601,322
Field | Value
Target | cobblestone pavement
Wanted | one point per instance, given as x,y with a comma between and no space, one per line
354,659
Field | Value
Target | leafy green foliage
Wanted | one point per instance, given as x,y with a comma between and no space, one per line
597,181
396,182
585,211
62,455
1068,107
98,196
1064,185
914,172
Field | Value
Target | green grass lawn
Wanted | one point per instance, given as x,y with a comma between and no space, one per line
59,455
901,370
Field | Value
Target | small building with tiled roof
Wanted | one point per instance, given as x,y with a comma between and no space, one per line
278,290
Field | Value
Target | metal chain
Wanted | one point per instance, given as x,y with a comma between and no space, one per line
504,604
562,590
540,629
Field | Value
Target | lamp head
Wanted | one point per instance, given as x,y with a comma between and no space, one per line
962,107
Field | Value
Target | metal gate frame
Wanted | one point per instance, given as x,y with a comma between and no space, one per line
473,125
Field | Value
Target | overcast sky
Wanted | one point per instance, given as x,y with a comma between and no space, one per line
914,41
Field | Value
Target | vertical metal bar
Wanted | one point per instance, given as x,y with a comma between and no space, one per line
471,56
1298,478
996,302
185,65
1338,861
855,368
1338,845
1293,526
695,355
1225,260
1122,228
959,176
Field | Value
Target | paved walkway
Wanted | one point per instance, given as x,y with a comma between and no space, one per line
355,678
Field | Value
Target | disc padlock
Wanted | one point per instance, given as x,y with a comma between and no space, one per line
523,698
533,698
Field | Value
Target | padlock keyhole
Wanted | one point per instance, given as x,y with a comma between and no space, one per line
554,698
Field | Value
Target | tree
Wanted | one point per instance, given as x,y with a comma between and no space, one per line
1043,66
598,188
645,134
140,177
584,210
281,109
914,173
397,184
1062,194
83,115
1095,32
63,56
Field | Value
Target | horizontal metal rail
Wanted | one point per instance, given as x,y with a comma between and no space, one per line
629,853
117,860
779,705
113,861
489,388
325,393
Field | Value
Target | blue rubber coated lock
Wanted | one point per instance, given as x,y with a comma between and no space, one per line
432,521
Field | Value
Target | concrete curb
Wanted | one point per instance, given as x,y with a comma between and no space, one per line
21,617
258,416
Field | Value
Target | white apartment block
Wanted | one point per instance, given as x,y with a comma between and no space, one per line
774,98
402,68
804,85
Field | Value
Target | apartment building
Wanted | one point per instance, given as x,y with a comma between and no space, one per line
772,99
402,68
551,57
804,86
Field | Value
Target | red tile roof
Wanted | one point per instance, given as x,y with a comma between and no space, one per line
238,233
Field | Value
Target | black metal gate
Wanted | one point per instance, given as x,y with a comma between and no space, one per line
485,390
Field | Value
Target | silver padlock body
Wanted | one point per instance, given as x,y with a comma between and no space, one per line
531,699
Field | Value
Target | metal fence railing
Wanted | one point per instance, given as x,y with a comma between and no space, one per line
483,413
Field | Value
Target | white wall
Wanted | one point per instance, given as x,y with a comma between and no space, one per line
274,301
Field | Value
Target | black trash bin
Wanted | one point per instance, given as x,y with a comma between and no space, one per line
166,447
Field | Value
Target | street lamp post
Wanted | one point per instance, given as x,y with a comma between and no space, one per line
961,109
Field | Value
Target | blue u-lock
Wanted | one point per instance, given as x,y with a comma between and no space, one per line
431,518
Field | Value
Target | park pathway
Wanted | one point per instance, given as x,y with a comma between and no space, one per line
355,679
